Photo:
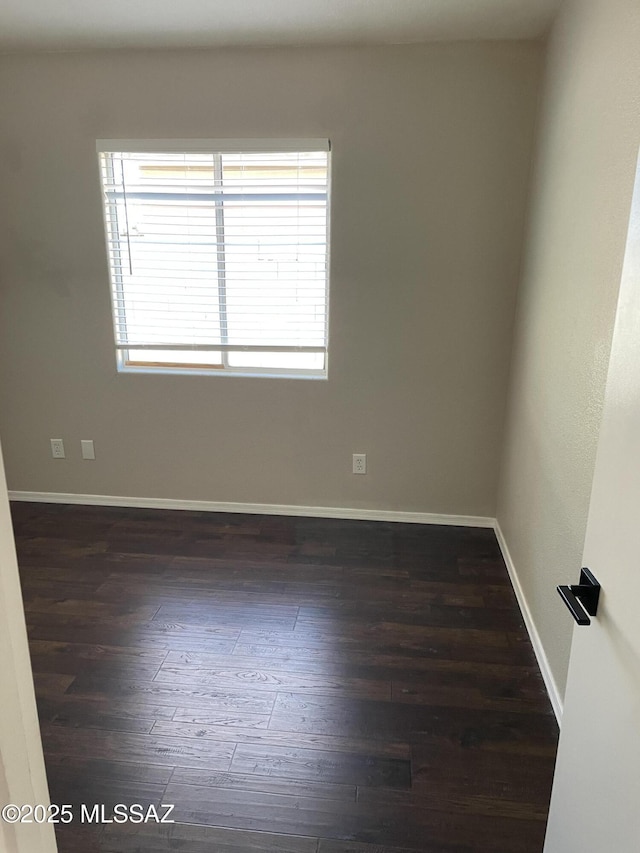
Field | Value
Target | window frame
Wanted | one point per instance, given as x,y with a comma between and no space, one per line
216,146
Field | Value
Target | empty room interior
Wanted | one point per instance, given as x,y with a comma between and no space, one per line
306,312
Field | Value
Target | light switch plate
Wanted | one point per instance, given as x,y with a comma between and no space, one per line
88,451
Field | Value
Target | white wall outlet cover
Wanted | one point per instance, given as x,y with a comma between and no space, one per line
57,448
359,463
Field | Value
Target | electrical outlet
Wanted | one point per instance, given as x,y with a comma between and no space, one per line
57,448
88,450
359,463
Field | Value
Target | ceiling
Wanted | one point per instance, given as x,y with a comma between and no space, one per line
78,24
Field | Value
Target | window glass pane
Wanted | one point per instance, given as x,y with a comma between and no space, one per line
278,360
275,248
167,256
177,357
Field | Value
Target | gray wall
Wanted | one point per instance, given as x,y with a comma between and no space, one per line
583,181
432,149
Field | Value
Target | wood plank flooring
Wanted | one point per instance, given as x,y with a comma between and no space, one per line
290,684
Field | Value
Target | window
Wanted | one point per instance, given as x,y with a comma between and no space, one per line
218,255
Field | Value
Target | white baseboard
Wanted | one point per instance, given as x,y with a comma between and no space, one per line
536,642
257,509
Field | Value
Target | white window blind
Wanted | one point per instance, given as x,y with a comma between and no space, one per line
218,257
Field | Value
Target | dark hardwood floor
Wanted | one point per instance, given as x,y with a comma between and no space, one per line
290,684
